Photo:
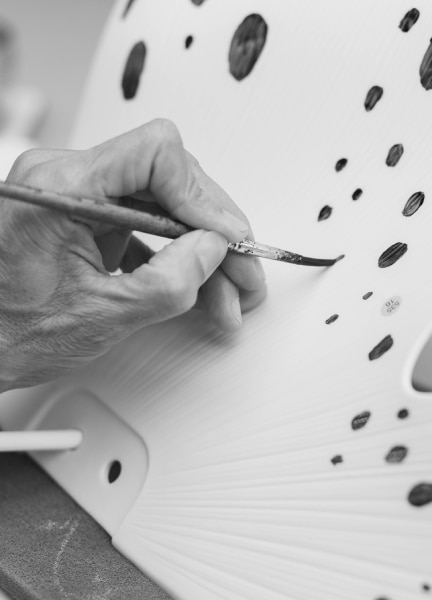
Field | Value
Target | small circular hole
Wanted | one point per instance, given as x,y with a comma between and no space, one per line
114,471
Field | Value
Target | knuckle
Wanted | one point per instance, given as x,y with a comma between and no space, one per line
166,131
24,163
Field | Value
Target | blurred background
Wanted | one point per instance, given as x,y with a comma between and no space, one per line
46,47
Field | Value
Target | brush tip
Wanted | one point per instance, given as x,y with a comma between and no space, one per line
339,258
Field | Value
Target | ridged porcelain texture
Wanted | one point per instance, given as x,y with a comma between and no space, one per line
242,500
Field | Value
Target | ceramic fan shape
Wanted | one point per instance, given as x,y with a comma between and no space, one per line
291,460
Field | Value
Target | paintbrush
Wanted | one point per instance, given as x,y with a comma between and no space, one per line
148,217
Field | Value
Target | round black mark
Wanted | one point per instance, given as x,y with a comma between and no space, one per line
373,96
325,212
367,295
133,69
394,155
360,420
114,471
426,587
403,413
409,20
421,494
188,41
337,459
426,69
396,454
332,319
127,8
198,2
392,254
381,348
341,164
413,204
246,46
357,193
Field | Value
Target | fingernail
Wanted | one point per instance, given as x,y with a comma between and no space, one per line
211,248
260,270
236,311
236,223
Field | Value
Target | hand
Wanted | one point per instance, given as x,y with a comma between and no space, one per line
59,307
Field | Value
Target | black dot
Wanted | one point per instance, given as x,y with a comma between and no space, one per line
392,254
197,2
357,193
367,295
325,212
426,69
114,471
337,459
403,413
373,96
381,348
341,164
188,41
426,587
420,494
396,454
133,69
409,20
413,203
246,46
394,155
332,319
360,420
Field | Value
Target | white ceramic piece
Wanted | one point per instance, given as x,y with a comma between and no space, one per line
291,460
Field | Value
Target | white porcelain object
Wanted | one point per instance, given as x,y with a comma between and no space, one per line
291,460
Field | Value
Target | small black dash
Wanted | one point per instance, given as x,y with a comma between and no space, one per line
188,41
396,454
381,348
367,295
373,96
426,69
357,193
409,20
360,420
421,494
133,69
394,155
325,212
127,8
403,413
392,254
246,46
341,164
332,319
413,204
337,459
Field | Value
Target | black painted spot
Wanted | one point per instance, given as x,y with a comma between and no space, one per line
127,8
403,413
325,212
413,204
392,254
337,459
341,164
373,96
426,587
409,20
332,319
367,295
360,420
246,46
133,69
381,348
357,193
198,2
421,494
396,454
394,155
426,69
188,41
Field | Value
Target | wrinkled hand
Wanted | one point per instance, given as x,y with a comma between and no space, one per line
60,308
